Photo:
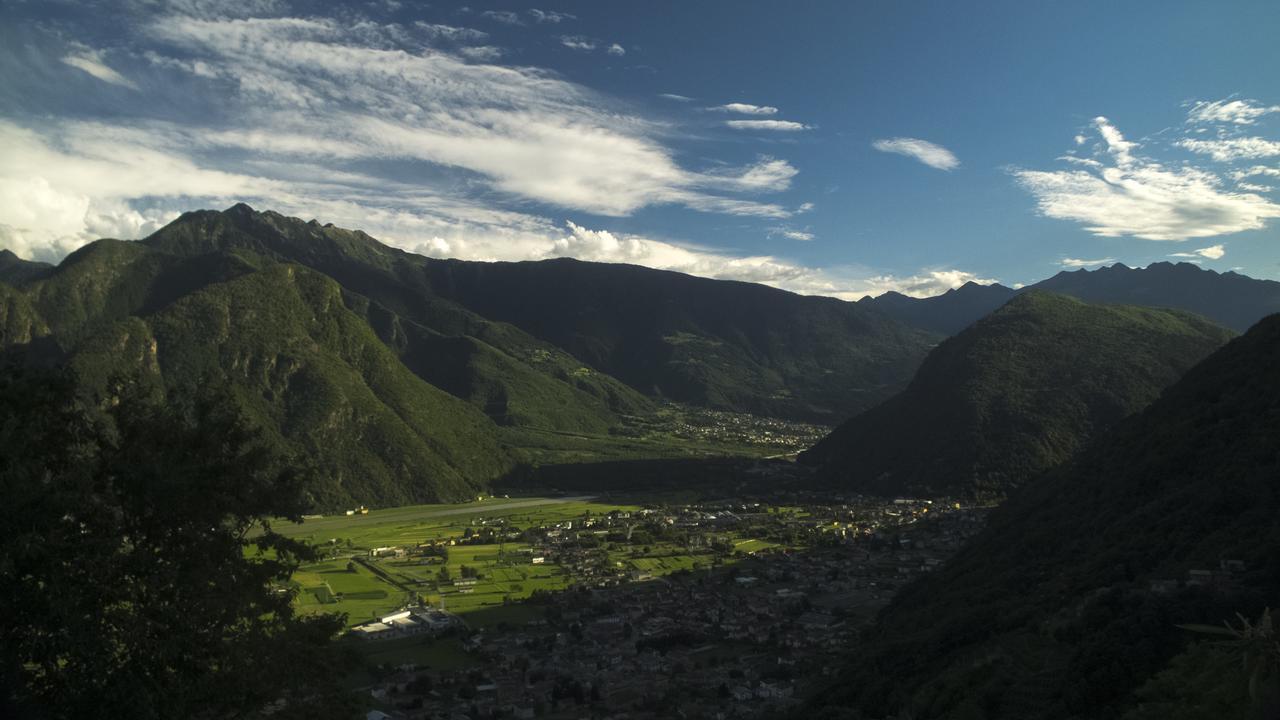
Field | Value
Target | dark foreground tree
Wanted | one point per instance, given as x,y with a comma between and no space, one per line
139,574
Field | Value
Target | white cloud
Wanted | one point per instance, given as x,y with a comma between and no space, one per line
1254,188
578,42
1238,112
934,156
450,33
550,16
1213,252
746,109
90,61
925,284
617,50
677,98
481,53
1231,149
790,234
779,125
1079,263
525,131
1139,197
1255,171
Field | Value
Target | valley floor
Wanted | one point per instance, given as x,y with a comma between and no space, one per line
575,604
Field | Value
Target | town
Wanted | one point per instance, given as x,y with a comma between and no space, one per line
727,608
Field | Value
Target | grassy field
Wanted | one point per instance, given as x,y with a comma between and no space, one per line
350,583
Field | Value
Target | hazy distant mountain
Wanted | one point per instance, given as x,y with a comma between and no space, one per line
945,314
1051,612
727,345
1229,299
1015,393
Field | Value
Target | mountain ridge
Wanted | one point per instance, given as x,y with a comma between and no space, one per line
1013,394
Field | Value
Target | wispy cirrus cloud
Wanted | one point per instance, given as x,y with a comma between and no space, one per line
91,62
771,125
1232,149
931,154
746,109
1213,252
578,42
506,17
1123,193
1082,263
404,130
550,16
1238,112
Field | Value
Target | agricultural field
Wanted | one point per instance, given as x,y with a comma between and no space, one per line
352,582
365,578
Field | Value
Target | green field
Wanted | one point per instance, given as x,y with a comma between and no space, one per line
506,572
350,581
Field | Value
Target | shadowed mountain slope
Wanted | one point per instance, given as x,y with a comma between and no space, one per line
1014,394
1051,612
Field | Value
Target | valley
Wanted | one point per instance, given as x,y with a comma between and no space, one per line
556,605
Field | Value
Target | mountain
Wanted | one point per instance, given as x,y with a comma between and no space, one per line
282,340
1012,395
409,379
14,269
945,314
1229,299
721,344
514,377
1066,605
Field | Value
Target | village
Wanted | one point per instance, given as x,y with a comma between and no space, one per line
738,632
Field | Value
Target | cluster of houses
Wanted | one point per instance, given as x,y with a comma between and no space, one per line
739,640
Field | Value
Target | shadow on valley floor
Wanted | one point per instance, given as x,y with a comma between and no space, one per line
684,479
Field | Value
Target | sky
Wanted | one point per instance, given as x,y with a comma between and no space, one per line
836,148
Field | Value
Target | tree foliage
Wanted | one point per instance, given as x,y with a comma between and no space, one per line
140,576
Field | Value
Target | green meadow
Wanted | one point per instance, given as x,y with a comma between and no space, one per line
352,583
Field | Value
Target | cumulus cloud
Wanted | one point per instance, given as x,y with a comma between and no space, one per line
617,50
1238,112
934,156
1213,252
90,61
777,125
1136,196
1232,149
578,42
746,109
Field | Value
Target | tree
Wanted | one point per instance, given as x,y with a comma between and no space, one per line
129,584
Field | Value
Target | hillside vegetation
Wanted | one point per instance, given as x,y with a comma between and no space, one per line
1054,611
1014,394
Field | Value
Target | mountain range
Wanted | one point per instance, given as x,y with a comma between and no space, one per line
1012,395
1232,300
1068,604
416,379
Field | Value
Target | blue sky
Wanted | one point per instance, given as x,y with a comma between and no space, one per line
839,148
